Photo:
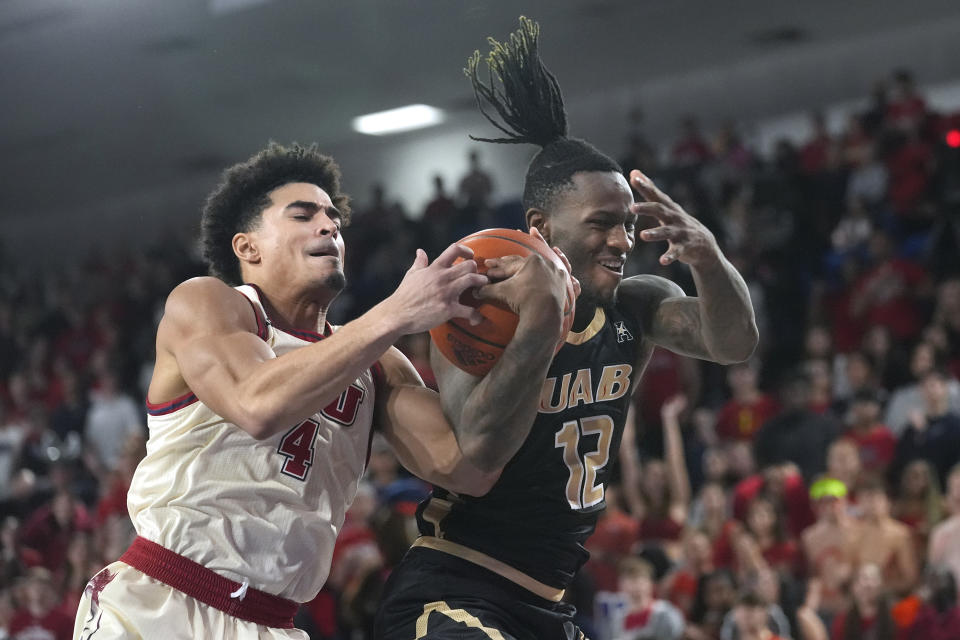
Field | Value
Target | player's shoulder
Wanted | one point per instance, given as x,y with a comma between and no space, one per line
647,287
204,300
639,296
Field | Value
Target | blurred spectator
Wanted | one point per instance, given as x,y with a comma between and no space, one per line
934,431
906,108
679,586
908,399
830,545
38,617
919,503
752,620
885,542
783,486
939,618
112,419
868,615
843,464
945,538
476,186
612,541
875,442
716,595
853,374
889,292
797,434
46,535
813,154
749,408
691,149
646,617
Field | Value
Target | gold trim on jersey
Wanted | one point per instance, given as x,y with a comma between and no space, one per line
434,513
492,564
599,319
457,615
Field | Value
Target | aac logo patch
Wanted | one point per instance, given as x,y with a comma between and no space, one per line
623,334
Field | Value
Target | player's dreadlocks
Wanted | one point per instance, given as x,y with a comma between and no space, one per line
528,100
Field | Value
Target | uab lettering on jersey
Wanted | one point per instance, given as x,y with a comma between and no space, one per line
578,388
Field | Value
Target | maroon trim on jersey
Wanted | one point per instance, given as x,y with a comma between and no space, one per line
379,385
170,406
261,321
208,587
309,336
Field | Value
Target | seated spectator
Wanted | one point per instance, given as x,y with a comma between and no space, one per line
646,617
830,545
752,620
798,434
679,586
759,543
716,595
843,464
868,615
889,292
39,615
46,535
907,399
875,443
885,542
783,486
945,538
853,372
934,432
939,617
919,503
749,408
112,418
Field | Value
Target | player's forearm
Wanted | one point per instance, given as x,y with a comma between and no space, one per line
284,391
727,320
499,412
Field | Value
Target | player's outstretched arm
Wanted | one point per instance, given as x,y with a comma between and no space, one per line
411,418
207,344
719,323
491,416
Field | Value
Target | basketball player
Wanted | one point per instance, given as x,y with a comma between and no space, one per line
496,566
261,413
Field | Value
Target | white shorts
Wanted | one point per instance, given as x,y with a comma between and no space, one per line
121,602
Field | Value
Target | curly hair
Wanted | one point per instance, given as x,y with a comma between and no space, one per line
527,98
243,193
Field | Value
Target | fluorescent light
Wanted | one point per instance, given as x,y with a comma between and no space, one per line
413,116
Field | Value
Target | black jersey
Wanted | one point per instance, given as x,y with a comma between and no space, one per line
546,502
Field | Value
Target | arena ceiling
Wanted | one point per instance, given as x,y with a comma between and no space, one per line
106,97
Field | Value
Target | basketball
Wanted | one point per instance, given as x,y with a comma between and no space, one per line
476,349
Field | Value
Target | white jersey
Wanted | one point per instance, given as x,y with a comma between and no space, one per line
265,511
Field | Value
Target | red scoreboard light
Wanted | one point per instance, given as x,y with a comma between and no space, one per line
953,138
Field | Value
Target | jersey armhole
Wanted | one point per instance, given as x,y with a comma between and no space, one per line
261,321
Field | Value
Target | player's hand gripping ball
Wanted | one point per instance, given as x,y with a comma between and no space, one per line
475,349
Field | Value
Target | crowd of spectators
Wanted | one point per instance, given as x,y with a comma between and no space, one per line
810,493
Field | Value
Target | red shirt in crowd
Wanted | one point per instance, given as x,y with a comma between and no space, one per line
813,155
877,446
909,169
739,421
933,625
55,625
796,503
612,540
897,310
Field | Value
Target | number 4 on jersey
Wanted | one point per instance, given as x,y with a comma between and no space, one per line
298,446
582,488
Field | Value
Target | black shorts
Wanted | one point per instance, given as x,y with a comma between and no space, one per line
438,596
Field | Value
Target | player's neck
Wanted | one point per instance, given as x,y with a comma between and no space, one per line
293,311
583,316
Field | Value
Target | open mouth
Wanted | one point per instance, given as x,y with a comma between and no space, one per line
324,251
614,265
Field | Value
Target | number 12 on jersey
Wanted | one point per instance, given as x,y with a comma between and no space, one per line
582,488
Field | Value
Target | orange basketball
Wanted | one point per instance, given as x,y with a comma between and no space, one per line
475,349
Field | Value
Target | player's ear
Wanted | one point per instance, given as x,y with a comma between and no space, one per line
245,248
538,218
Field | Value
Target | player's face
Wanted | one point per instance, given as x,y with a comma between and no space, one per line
299,238
593,225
